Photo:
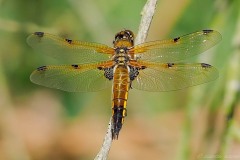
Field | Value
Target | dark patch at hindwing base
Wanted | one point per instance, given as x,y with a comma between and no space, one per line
108,72
134,71
117,120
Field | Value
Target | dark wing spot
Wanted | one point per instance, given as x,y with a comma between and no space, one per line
133,72
176,39
143,67
39,34
68,40
42,68
207,31
100,68
108,73
75,66
204,65
170,65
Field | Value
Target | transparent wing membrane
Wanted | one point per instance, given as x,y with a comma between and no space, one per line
178,48
71,78
67,50
170,76
156,73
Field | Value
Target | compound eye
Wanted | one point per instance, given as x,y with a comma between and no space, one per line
130,34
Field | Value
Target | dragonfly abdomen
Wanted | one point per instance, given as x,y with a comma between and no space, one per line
121,83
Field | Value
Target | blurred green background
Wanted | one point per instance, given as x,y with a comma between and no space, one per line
37,123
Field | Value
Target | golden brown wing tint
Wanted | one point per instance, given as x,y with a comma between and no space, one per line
178,48
69,50
169,76
71,78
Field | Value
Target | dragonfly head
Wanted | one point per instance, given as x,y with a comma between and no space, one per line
124,38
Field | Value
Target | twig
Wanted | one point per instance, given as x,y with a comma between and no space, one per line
103,153
147,15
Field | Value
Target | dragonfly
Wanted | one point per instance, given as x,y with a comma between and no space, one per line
150,66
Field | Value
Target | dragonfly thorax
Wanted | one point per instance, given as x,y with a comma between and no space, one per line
121,55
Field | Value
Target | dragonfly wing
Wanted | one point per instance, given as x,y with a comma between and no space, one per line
71,78
178,48
168,77
69,50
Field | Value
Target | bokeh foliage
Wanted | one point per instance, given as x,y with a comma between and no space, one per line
98,21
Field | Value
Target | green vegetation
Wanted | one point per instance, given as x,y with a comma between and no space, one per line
201,122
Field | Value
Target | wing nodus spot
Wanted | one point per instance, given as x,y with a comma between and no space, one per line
169,65
100,68
75,66
68,40
143,67
176,39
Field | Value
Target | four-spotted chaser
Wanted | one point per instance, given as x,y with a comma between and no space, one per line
150,66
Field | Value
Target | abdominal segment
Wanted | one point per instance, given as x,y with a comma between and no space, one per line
121,83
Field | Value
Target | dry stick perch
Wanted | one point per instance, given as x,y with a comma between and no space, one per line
147,15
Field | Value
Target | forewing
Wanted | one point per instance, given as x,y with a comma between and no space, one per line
168,77
69,50
71,78
178,48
